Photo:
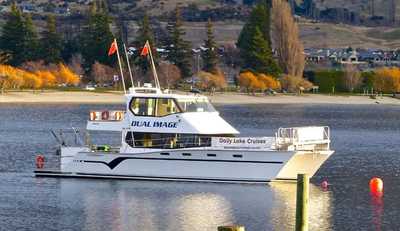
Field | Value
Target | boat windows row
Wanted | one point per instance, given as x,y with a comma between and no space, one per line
166,140
158,107
208,155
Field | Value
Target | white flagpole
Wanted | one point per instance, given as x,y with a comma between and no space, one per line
129,65
153,67
120,67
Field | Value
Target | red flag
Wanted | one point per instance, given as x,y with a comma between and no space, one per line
146,49
113,48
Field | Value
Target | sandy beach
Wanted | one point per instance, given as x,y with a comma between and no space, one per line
81,97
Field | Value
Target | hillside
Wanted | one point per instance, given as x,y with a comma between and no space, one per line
228,17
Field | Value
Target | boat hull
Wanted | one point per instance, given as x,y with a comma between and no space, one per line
193,165
178,165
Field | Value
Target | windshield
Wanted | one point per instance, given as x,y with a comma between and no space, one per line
195,105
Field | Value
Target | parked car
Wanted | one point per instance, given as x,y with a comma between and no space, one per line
90,88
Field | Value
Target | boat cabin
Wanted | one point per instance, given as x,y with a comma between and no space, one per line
161,120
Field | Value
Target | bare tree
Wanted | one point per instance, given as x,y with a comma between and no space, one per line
286,39
352,77
76,64
102,73
169,74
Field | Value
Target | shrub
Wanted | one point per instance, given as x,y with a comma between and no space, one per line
295,83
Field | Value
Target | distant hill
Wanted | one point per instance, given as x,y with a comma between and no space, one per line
229,17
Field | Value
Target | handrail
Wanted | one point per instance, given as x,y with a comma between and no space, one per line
300,136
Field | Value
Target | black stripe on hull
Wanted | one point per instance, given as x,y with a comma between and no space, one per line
114,163
151,178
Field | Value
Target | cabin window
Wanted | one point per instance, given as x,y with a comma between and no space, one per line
143,106
153,107
195,105
166,107
165,140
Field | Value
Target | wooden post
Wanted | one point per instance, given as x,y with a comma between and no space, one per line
302,202
231,228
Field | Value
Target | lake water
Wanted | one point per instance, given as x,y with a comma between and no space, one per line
366,140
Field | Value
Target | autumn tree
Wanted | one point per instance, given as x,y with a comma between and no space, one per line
66,76
257,82
387,80
102,73
211,81
285,34
352,77
47,77
179,52
76,64
210,55
169,74
295,84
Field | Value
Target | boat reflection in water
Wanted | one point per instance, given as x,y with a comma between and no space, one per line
284,208
146,205
137,205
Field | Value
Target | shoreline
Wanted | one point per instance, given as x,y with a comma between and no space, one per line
82,97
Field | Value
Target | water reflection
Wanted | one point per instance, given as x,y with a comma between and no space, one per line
377,211
134,205
284,208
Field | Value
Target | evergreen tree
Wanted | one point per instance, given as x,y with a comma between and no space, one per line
259,17
51,42
145,33
261,55
259,20
179,49
210,55
31,41
97,37
12,38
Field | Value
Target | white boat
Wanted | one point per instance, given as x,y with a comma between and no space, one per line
181,137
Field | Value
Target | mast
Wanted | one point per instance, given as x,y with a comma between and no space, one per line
120,66
153,66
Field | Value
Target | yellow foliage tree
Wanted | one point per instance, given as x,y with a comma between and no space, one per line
259,82
65,76
10,77
387,80
269,82
47,77
31,81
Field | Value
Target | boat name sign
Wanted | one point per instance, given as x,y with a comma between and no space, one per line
243,142
154,124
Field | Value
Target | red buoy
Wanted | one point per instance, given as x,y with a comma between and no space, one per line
376,186
324,184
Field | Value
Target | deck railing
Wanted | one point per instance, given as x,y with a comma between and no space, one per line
303,137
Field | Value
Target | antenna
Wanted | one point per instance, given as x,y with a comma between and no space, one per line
129,65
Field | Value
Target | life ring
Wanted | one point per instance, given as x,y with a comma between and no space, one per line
39,161
105,115
118,115
93,116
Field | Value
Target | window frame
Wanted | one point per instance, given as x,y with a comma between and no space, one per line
156,100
